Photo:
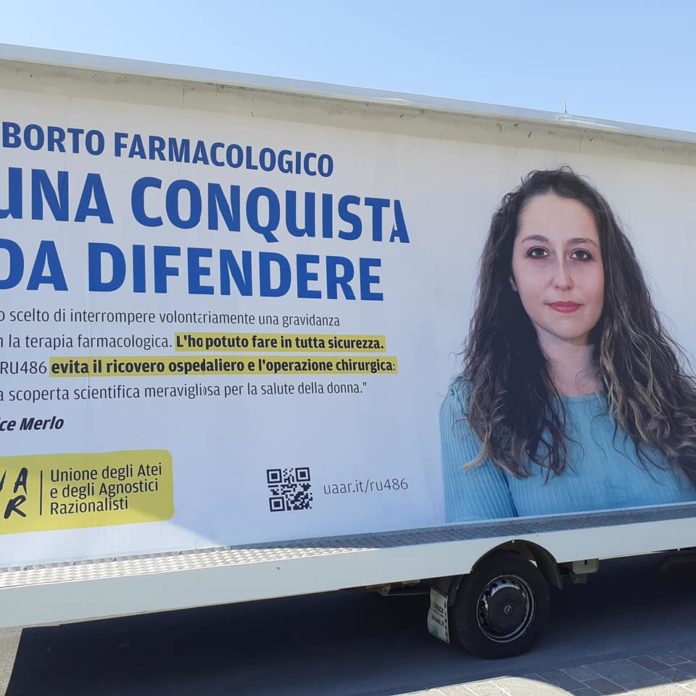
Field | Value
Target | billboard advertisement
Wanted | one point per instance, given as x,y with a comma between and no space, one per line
220,328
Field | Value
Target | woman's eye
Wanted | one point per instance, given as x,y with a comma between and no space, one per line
581,255
537,253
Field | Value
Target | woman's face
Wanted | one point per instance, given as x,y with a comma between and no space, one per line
557,269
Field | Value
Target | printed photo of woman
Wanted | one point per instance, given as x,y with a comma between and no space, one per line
572,396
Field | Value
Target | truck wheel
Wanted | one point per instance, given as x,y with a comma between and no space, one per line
502,607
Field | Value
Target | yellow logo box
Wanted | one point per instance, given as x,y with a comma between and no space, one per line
69,491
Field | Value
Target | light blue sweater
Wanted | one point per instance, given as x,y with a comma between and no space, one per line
604,472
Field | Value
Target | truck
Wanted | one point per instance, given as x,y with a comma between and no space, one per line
232,308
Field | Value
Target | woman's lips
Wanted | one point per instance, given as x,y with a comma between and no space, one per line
565,307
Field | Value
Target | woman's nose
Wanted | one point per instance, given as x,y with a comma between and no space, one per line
562,278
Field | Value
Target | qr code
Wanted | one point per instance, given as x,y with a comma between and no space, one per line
290,489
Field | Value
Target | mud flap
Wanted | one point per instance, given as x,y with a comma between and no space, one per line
438,616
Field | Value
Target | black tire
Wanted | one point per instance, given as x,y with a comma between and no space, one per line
502,607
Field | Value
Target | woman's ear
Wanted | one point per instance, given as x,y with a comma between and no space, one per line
513,285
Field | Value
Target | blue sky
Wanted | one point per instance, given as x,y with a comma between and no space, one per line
626,61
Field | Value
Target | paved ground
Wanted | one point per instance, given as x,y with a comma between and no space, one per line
666,674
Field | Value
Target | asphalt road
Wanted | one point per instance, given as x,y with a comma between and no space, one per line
347,643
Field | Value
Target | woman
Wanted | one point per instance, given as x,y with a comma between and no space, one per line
572,397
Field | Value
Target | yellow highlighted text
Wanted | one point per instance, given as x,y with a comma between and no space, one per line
180,366
279,343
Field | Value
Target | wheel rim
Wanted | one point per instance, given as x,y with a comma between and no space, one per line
505,608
